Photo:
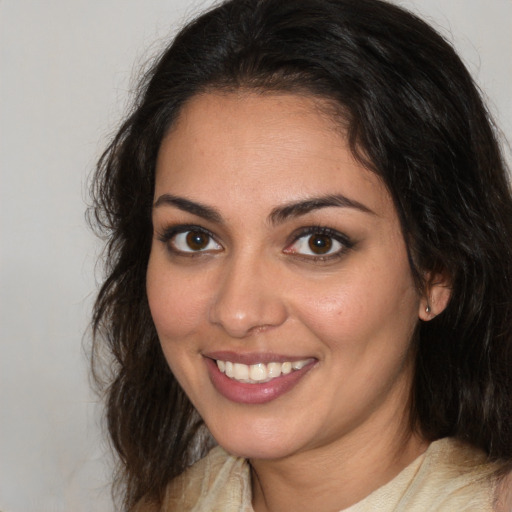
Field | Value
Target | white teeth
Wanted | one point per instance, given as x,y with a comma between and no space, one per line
297,365
240,371
286,368
259,372
273,370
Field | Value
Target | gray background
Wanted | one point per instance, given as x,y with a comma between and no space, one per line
66,71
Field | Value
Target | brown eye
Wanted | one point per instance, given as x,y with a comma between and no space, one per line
197,240
320,244
193,241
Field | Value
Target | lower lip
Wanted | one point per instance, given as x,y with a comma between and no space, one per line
244,393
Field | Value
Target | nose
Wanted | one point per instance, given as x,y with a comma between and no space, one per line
249,298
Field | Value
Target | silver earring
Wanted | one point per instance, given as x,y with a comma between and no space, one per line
427,308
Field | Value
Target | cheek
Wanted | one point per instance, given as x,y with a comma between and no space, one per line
362,307
177,306
178,311
341,319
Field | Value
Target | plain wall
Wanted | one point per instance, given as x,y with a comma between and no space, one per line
66,71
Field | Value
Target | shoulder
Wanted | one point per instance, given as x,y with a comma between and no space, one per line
219,479
454,476
504,494
450,476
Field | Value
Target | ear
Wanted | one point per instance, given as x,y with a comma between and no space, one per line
435,297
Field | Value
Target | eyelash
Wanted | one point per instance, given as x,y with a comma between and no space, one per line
170,233
344,241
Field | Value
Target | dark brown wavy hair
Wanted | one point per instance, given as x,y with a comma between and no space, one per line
414,117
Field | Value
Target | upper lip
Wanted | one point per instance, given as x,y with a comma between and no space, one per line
253,357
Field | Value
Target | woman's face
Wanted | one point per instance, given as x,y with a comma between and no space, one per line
278,279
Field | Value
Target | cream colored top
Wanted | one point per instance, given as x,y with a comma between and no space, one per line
449,477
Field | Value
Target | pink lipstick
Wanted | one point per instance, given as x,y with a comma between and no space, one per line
255,378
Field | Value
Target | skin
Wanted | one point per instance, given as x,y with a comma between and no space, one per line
256,287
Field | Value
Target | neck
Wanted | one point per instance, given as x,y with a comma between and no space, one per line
337,475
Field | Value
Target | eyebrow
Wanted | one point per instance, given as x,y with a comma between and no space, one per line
277,215
201,210
298,208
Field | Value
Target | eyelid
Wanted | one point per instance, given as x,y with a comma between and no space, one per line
344,240
170,232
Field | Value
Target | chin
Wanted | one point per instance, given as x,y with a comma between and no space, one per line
264,442
256,450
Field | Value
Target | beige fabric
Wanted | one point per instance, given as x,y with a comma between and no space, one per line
448,477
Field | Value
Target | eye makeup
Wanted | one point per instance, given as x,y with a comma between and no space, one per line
309,243
318,243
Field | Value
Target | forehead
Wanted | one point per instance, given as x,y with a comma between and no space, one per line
265,148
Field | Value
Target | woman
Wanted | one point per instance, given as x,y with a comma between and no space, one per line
309,265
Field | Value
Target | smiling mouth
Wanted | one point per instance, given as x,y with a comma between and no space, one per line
259,373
